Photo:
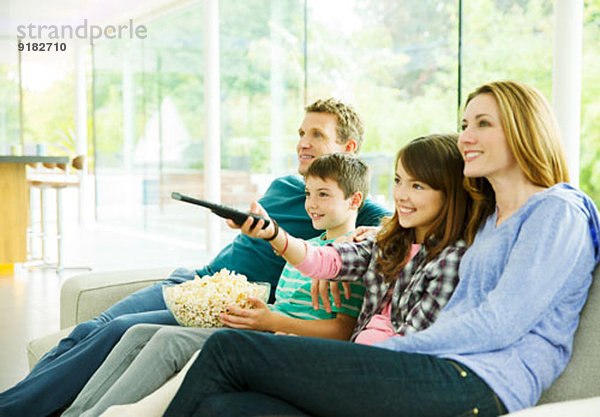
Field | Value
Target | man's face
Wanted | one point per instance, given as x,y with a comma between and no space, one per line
318,137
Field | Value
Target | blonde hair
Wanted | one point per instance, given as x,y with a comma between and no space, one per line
533,138
349,124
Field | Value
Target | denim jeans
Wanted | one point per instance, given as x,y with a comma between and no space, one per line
143,360
58,377
244,373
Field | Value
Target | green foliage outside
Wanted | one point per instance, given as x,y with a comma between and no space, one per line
589,179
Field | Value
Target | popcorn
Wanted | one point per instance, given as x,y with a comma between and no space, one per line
199,302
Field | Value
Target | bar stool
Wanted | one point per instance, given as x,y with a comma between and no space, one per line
57,180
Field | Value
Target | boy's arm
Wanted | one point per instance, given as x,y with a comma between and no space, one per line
262,318
291,249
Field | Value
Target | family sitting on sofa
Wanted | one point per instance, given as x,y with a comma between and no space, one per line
473,288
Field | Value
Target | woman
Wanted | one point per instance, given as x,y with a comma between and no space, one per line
505,335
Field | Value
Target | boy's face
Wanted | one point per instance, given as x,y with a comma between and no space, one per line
328,208
318,136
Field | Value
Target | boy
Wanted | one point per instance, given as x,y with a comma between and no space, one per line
336,186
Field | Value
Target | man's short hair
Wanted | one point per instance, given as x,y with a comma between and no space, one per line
349,125
348,171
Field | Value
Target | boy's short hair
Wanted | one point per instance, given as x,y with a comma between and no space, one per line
349,125
349,172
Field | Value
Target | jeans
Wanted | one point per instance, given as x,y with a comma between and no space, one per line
244,373
59,376
145,358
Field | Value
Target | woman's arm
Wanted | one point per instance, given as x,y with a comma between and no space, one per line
262,318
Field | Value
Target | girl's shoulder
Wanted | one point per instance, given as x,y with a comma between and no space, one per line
448,257
459,245
455,249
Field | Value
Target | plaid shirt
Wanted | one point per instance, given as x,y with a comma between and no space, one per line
419,293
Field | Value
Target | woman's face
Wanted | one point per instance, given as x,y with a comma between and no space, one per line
483,143
417,204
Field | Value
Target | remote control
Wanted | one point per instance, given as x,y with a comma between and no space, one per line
239,217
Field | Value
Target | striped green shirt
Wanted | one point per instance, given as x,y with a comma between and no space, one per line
292,296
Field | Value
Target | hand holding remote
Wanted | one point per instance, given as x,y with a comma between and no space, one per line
252,228
238,217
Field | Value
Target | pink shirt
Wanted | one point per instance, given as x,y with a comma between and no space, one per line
326,262
322,262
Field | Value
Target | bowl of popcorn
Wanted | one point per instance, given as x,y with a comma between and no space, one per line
200,302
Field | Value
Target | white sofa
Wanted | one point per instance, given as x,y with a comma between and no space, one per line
84,296
575,393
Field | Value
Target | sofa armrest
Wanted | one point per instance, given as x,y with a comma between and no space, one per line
37,348
588,407
581,377
84,296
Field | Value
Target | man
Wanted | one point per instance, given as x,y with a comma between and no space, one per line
328,126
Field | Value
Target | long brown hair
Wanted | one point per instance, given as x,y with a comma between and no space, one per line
436,161
533,138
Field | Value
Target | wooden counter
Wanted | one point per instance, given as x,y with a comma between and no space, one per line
14,204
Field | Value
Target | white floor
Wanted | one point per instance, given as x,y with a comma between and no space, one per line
29,299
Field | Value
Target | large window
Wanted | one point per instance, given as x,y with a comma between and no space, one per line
261,93
148,118
505,39
37,100
397,62
590,102
149,112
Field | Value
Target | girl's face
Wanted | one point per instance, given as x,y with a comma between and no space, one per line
483,143
417,204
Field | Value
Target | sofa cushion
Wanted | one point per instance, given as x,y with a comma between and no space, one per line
581,378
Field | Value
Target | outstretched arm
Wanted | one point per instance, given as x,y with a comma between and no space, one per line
292,249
